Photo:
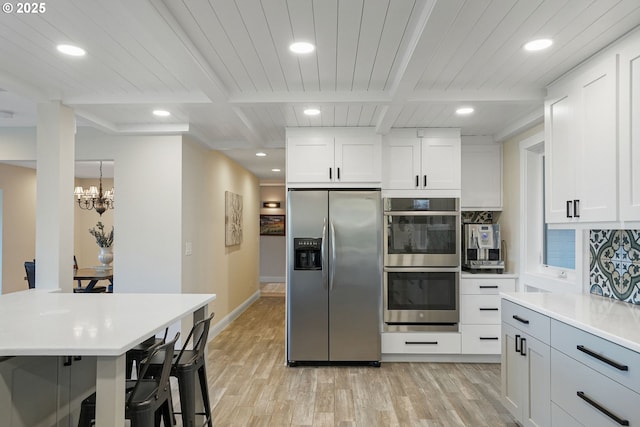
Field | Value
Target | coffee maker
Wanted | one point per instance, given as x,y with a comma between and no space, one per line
481,248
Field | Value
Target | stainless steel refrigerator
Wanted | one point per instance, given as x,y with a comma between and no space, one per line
334,277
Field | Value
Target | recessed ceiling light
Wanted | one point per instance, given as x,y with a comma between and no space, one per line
161,113
463,111
311,111
261,154
275,170
539,44
301,47
71,50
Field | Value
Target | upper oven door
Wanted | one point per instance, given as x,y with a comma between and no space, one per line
421,239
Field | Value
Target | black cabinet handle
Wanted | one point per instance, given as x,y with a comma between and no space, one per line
517,341
67,361
425,181
420,342
417,181
488,286
488,338
523,344
520,319
338,173
488,309
569,202
576,208
601,358
602,409
330,176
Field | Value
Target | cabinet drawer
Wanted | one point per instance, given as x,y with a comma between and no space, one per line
560,418
612,360
481,339
480,309
421,342
535,324
486,286
570,379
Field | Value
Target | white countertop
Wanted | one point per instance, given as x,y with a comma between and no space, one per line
607,318
37,322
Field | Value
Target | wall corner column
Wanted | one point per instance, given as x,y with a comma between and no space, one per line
54,209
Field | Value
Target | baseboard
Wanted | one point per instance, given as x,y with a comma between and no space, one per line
272,279
226,321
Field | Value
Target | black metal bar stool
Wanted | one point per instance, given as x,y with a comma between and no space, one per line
140,351
186,365
147,399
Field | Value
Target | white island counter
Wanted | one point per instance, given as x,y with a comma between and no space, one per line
613,320
100,326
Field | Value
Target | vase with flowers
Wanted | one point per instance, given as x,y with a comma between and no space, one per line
104,241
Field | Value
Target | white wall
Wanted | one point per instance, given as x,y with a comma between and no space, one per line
273,249
147,218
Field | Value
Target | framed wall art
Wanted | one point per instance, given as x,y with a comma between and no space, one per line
272,225
232,219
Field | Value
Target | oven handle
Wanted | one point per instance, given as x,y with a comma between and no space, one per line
422,269
421,213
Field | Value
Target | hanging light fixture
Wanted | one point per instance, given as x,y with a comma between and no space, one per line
94,198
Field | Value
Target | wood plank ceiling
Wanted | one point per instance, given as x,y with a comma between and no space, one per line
223,68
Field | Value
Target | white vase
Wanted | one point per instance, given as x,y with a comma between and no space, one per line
105,256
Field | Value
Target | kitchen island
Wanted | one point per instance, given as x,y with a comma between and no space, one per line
570,359
39,326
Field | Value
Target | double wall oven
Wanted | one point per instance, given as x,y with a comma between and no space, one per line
421,264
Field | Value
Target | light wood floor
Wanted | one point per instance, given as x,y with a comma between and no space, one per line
250,385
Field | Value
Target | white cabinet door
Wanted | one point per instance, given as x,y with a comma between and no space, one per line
441,163
559,159
310,159
596,172
358,159
402,164
581,146
630,133
513,365
537,381
526,377
481,177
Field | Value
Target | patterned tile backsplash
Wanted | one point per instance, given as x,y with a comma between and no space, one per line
614,264
477,217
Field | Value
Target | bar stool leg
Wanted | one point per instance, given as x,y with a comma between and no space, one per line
204,389
187,387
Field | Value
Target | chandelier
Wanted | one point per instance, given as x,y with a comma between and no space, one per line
94,198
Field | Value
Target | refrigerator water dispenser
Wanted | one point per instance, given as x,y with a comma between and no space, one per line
308,255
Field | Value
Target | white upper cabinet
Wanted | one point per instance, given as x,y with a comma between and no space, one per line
592,140
581,145
333,156
630,131
426,163
481,176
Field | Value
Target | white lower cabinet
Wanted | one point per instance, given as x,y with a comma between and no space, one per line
480,313
420,343
526,374
595,381
44,391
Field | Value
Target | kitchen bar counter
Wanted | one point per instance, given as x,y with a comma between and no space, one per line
610,319
105,326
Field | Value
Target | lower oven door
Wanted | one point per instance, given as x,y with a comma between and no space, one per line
421,299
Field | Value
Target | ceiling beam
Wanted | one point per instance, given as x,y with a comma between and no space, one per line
519,126
138,98
494,95
339,97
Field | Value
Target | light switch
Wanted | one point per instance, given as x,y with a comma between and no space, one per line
188,248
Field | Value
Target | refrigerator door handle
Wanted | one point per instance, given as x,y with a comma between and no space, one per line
332,268
323,251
